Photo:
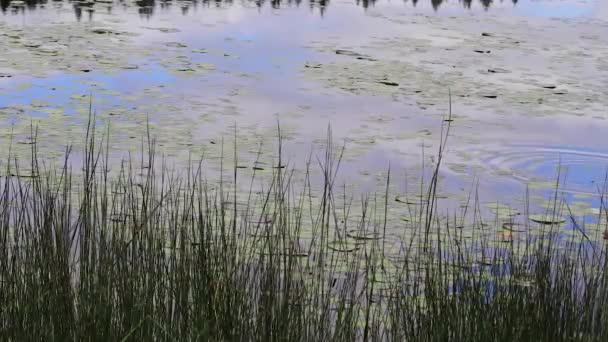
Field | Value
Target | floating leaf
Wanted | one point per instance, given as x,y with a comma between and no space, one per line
343,246
547,219
362,235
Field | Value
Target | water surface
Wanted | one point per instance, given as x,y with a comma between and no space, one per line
527,81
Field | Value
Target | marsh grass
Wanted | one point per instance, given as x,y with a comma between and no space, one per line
147,253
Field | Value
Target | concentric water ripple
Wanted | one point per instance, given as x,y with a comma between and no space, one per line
581,170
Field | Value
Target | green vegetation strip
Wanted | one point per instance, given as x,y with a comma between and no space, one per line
148,254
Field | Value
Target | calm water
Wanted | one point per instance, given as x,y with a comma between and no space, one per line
527,80
147,8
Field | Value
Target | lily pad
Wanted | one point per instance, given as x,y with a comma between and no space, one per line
547,219
362,235
345,246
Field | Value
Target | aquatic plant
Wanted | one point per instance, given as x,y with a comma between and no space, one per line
147,253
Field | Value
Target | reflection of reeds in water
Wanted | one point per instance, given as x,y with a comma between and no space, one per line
144,254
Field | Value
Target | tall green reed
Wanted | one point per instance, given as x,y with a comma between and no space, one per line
147,252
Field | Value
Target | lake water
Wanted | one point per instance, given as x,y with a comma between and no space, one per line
528,82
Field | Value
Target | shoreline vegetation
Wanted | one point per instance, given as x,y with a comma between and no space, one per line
150,254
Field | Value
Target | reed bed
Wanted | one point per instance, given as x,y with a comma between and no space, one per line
147,253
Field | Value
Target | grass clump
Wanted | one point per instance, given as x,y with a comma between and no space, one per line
146,253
